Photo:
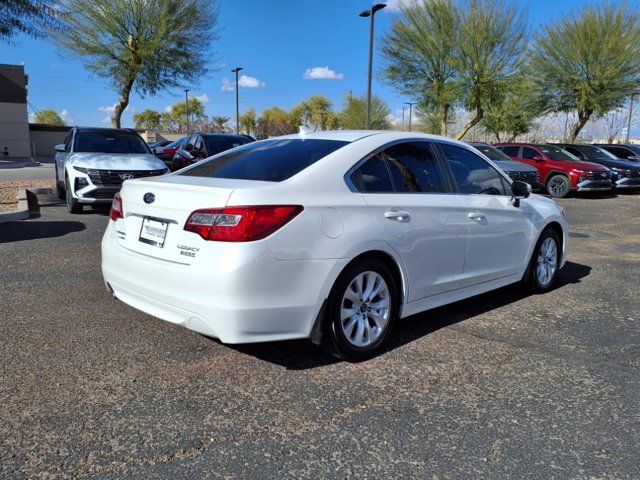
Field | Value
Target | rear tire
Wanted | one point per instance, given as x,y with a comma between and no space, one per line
72,204
545,262
558,186
361,311
59,187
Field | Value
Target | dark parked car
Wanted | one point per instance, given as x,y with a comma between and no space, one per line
167,152
626,173
560,171
624,152
515,170
204,145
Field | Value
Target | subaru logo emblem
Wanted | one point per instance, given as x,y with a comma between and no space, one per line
149,197
126,176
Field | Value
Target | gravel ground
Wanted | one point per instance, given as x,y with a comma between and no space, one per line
9,191
503,385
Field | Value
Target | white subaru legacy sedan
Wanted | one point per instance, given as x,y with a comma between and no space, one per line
331,236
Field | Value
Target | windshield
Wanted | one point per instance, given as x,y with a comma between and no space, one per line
555,153
597,153
109,141
270,160
220,144
491,152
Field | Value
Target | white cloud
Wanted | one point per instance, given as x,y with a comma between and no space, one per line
66,117
395,5
322,73
204,98
244,81
110,109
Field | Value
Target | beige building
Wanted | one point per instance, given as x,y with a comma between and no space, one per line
14,122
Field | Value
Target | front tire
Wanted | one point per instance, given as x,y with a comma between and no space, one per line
558,186
72,204
362,308
545,262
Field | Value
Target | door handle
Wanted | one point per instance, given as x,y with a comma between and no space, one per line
478,216
397,215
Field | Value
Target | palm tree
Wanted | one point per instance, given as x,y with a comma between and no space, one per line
220,123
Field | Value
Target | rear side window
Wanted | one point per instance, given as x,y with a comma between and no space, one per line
511,151
270,160
372,176
414,168
472,174
619,152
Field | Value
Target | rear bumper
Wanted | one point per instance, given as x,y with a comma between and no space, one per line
242,297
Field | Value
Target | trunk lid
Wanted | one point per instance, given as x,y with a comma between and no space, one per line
170,201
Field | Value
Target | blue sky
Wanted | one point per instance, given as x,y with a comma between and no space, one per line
276,42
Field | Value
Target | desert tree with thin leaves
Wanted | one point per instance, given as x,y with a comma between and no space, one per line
139,45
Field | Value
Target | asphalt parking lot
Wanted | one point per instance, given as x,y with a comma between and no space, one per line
501,385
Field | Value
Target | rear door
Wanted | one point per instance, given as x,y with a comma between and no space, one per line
411,201
499,232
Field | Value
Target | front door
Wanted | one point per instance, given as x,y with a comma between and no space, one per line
499,232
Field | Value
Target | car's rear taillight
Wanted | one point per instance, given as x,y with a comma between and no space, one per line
116,208
240,224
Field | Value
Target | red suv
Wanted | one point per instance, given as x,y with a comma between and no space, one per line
560,172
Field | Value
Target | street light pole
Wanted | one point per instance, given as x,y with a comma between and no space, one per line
629,119
236,70
186,104
411,104
403,109
370,13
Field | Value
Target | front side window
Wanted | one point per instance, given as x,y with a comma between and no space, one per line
557,154
372,176
107,141
530,153
414,168
473,174
269,160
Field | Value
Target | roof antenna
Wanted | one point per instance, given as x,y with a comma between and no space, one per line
304,131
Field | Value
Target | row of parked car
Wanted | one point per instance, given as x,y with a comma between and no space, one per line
93,163
562,168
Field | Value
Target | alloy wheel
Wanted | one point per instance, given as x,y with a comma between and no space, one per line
365,309
547,262
558,186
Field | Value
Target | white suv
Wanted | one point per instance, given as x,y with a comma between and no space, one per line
93,162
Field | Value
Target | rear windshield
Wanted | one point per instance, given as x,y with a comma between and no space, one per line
558,154
220,144
110,142
270,160
491,152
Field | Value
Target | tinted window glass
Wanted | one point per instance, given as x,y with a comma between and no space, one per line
595,152
529,153
634,148
216,145
472,173
110,142
558,154
492,152
372,176
414,168
510,151
574,151
270,160
619,152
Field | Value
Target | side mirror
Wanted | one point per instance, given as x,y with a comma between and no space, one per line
538,158
185,154
61,148
520,190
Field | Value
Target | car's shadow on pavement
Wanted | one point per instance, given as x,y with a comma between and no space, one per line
19,231
302,354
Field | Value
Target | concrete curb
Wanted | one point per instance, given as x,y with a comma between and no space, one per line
27,206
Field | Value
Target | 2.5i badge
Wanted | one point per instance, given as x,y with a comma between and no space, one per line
188,251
